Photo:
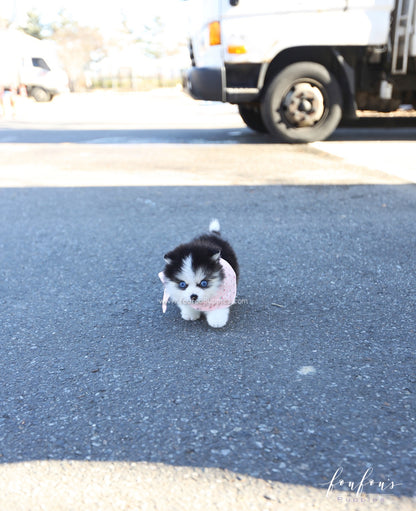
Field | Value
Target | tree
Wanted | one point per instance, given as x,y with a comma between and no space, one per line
3,23
152,38
34,26
77,47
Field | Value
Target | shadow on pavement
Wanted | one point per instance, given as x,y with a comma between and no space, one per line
362,129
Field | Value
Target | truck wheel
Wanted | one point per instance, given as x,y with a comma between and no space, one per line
251,115
41,95
302,103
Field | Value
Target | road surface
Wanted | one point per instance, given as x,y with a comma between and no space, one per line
106,403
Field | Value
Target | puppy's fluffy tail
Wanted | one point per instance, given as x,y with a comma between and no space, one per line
214,227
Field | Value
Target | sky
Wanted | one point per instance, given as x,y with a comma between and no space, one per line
107,16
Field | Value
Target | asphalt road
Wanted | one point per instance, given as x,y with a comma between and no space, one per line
110,404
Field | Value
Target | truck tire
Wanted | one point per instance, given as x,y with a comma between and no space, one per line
302,103
251,115
41,95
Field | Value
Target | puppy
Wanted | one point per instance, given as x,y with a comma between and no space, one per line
201,277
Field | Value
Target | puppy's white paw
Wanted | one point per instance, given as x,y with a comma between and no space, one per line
189,314
218,318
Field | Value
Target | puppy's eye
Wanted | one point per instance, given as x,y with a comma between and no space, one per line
203,283
183,285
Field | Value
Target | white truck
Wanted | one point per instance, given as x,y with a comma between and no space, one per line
25,60
295,68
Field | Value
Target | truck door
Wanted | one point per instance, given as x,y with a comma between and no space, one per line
370,4
265,7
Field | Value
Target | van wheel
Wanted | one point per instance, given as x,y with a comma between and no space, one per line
302,103
251,115
41,95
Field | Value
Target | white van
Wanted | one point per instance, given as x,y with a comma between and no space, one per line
295,68
42,82
24,60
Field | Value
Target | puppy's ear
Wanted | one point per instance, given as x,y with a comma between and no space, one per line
168,257
216,257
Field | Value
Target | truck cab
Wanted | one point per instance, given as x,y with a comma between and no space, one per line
295,69
42,81
26,61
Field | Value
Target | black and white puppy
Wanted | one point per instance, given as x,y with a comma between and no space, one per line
201,277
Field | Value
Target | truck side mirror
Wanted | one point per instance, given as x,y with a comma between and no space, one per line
234,2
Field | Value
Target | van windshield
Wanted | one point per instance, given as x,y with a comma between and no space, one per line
38,62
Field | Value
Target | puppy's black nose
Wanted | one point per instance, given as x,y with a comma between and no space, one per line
194,298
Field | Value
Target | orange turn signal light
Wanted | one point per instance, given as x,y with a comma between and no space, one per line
214,33
237,50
